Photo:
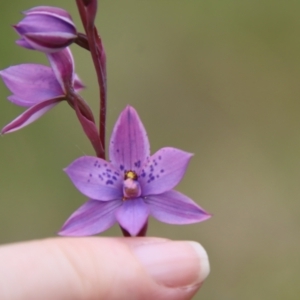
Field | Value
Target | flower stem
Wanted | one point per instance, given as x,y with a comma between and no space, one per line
143,231
87,122
82,105
87,11
82,41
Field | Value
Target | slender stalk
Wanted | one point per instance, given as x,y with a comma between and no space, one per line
82,41
143,231
87,14
82,105
88,125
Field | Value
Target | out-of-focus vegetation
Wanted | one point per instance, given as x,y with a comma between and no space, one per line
216,78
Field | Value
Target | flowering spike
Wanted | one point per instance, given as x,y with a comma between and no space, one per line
135,185
47,29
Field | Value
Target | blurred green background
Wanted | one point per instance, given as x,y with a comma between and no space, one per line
217,78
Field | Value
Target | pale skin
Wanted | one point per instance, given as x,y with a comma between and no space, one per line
102,268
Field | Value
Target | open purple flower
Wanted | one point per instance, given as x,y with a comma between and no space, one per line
47,29
132,186
39,87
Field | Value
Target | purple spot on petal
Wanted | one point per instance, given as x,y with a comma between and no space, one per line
116,173
162,170
137,164
109,182
114,178
121,167
90,174
159,157
100,177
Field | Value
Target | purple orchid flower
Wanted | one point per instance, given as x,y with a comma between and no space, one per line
39,87
132,186
47,29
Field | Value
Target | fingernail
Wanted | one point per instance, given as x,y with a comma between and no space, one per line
174,264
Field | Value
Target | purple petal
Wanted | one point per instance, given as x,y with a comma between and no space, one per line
62,64
23,43
21,102
173,207
163,171
129,146
31,83
91,218
96,178
44,22
30,115
50,10
133,215
49,42
78,84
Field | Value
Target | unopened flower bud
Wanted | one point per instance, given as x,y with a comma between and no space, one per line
47,29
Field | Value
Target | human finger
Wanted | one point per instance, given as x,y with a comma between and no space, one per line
102,268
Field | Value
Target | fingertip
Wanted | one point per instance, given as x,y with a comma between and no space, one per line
174,264
204,266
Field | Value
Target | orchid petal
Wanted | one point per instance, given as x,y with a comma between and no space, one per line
42,22
49,42
133,215
173,207
129,146
62,64
96,178
30,115
164,170
46,20
50,10
78,84
55,12
23,43
31,83
91,218
19,101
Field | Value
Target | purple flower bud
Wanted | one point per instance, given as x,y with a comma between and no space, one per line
47,29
